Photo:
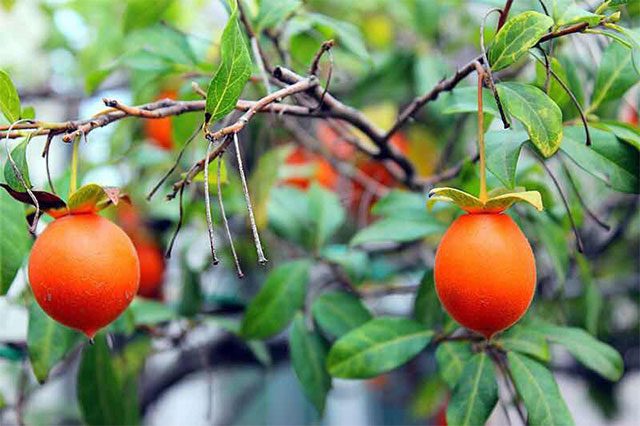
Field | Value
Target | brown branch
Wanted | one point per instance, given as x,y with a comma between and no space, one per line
325,47
504,14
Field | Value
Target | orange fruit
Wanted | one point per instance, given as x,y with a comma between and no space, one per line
84,271
151,269
323,172
485,272
160,130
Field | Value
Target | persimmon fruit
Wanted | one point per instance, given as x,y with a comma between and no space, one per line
160,130
485,273
151,269
323,172
84,271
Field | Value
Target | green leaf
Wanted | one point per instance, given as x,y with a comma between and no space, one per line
149,312
142,13
626,132
592,300
356,263
191,294
48,342
227,84
429,68
465,99
431,394
128,365
273,12
538,113
476,393
162,41
99,388
503,150
616,75
19,155
452,357
592,353
9,99
308,356
288,214
556,92
614,162
539,392
397,230
337,313
566,12
516,37
427,308
495,203
521,339
346,34
400,204
380,345
325,214
281,295
15,241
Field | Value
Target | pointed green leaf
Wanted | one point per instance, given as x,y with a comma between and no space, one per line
475,394
592,353
308,356
626,132
19,155
397,230
503,150
48,342
281,295
614,162
539,392
380,345
427,308
100,392
337,313
9,99
452,358
521,339
516,37
538,113
15,240
273,12
227,84
92,198
616,75
567,12
325,214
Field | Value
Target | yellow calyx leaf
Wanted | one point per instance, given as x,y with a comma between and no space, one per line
494,204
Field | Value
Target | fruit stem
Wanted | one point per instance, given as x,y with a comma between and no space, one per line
483,171
73,184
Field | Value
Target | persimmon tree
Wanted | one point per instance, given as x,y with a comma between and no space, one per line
309,153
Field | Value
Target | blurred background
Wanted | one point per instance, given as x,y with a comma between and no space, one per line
66,56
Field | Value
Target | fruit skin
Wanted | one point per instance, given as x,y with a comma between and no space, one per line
160,130
151,269
485,272
84,271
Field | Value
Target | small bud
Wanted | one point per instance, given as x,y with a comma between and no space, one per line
614,17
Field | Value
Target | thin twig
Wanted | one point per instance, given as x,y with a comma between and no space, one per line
45,154
504,14
324,47
586,208
178,226
226,221
579,244
488,73
252,221
207,201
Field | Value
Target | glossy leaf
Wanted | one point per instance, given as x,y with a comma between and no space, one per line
281,295
452,358
99,388
229,80
516,37
538,113
521,339
400,204
380,345
503,150
50,203
614,162
465,99
19,155
308,356
9,99
273,12
539,391
397,230
356,263
592,353
616,75
476,393
338,312
325,214
15,241
626,132
427,308
48,342
567,12
92,198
